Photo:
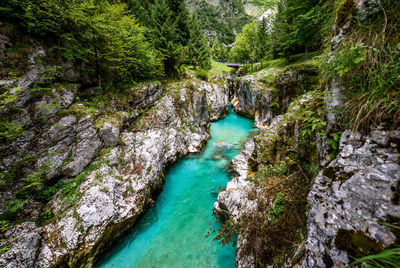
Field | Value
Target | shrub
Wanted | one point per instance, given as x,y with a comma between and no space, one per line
9,131
202,74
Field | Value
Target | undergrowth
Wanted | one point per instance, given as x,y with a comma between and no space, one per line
368,62
282,181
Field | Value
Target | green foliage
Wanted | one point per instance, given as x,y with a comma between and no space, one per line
180,14
164,37
45,216
244,48
7,95
33,184
367,62
99,36
9,131
270,171
4,225
13,209
347,59
219,52
278,206
202,74
199,53
301,25
4,249
389,258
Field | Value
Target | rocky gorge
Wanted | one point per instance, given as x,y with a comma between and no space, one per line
81,161
110,159
354,189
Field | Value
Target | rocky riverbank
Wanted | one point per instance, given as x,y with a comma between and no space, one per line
97,165
325,193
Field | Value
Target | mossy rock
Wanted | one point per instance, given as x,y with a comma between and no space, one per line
356,244
344,12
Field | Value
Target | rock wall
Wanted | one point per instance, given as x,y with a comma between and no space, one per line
358,189
269,93
111,163
353,190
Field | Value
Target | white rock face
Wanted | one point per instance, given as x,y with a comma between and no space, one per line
234,202
24,242
251,99
366,194
254,99
120,184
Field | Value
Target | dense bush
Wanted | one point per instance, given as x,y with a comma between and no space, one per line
99,36
202,74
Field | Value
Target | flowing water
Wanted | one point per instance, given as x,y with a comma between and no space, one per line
172,232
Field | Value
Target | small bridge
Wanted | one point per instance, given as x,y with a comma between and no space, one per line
232,65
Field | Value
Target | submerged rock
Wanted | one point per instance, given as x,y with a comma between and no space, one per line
222,144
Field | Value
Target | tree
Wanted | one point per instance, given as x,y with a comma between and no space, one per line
216,51
181,16
244,48
301,25
164,37
262,47
199,52
140,10
224,53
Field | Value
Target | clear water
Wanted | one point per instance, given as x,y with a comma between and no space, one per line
172,232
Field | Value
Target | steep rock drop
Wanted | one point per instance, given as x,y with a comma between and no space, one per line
172,233
110,160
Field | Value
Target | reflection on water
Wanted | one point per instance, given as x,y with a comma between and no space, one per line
172,232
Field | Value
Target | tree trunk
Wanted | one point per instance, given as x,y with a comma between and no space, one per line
98,67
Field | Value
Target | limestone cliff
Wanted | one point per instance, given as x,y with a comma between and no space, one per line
336,187
96,165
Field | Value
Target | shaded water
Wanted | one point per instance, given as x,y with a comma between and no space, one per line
172,232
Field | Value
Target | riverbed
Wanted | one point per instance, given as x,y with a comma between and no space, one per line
172,232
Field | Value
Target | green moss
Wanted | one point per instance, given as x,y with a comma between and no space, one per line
329,172
356,244
237,81
343,13
4,249
4,225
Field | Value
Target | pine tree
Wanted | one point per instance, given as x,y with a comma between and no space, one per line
199,52
216,51
140,10
262,40
224,53
165,38
181,17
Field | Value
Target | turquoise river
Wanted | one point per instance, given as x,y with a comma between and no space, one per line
172,232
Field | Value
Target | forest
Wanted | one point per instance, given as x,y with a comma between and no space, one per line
99,99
